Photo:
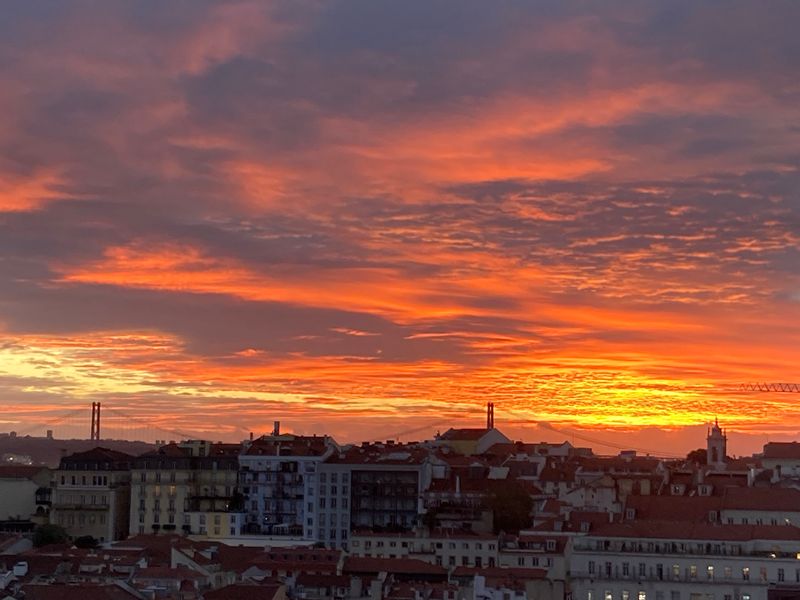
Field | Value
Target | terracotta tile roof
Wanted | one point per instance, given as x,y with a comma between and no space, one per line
75,592
558,473
395,454
405,566
765,499
20,471
178,573
671,530
171,449
635,464
244,591
675,508
777,450
237,558
117,460
320,580
288,445
552,506
463,435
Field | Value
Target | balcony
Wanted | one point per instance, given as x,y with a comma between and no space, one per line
668,577
79,506
678,550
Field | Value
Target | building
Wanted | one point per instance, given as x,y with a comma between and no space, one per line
91,495
716,447
471,441
190,487
279,484
25,496
371,486
668,560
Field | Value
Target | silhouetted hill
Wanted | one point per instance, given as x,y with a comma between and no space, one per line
48,451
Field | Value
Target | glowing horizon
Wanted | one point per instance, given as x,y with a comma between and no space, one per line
375,217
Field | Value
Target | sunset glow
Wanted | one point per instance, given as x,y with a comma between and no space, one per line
370,218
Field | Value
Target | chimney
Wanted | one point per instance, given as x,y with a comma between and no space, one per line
251,436
276,429
776,474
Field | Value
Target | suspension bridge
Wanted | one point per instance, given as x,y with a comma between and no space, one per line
115,424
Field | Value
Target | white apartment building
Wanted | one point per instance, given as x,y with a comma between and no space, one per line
660,560
280,486
444,548
372,486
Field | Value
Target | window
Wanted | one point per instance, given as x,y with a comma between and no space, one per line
710,572
626,595
676,571
728,573
607,595
674,595
591,567
589,594
626,572
551,545
642,595
693,571
746,573
642,569
781,575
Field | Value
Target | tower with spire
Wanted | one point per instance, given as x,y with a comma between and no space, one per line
716,447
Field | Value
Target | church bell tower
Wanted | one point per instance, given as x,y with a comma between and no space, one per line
716,447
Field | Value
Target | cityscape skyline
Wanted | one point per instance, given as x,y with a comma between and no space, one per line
379,216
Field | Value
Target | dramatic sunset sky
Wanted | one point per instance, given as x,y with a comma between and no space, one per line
368,218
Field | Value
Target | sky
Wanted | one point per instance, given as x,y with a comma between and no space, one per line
369,218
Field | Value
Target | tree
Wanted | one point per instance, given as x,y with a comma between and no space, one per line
85,541
511,505
698,456
45,535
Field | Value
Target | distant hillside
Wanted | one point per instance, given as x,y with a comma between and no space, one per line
47,451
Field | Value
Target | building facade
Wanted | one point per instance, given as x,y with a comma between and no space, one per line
280,484
91,494
190,488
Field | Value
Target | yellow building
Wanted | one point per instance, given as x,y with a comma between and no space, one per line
190,487
91,494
